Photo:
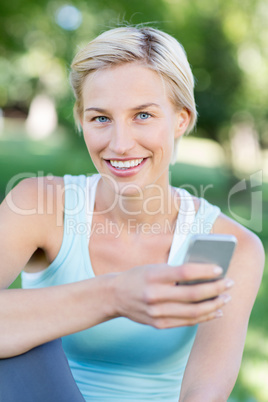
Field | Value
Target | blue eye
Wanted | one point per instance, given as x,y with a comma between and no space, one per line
101,119
143,115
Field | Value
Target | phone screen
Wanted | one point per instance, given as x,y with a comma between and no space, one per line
211,249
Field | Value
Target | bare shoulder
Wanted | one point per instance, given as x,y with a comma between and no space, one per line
35,199
31,217
248,241
33,192
249,255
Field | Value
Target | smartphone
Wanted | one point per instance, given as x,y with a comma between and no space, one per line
210,249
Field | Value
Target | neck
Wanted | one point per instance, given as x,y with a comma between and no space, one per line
154,204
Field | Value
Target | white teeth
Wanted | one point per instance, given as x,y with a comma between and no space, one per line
125,164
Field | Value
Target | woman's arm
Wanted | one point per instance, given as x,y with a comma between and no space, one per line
31,317
216,356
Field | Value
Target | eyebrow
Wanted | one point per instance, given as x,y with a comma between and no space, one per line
96,109
139,107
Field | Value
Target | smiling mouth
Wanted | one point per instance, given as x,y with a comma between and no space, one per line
124,165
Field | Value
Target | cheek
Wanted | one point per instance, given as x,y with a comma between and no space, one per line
163,140
93,142
88,142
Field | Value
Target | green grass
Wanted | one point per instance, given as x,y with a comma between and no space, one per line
20,157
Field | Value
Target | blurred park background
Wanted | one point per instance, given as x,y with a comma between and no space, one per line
225,159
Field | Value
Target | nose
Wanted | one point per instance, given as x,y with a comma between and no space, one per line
122,140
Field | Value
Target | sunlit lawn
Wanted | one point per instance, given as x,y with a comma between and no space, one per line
252,383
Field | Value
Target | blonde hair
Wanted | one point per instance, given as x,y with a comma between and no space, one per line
152,47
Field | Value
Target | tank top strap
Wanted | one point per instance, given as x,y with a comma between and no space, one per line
189,223
206,216
91,187
75,195
79,202
185,219
74,219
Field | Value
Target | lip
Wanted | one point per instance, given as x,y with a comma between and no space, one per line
128,172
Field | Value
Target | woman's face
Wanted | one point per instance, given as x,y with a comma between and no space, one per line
129,126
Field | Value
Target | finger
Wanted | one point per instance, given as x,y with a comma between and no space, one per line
189,311
204,291
184,294
186,272
192,293
165,323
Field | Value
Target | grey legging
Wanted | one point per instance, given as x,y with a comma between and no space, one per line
40,375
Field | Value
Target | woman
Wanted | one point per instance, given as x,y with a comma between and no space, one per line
116,243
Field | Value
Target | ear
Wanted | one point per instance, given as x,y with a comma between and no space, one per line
183,120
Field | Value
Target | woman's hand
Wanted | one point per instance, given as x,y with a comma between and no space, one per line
149,294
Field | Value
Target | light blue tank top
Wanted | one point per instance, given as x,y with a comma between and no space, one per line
121,360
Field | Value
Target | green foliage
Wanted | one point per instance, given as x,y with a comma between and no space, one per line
222,40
